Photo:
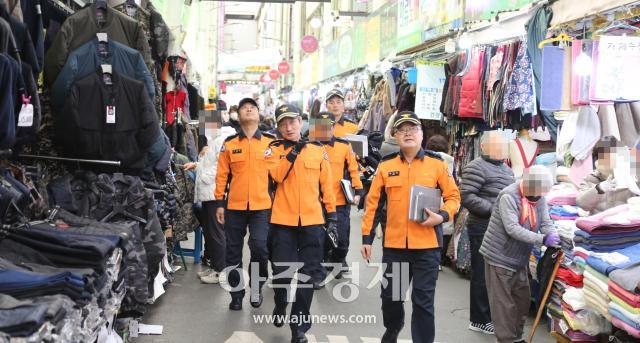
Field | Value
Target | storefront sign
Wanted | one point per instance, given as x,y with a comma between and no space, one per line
257,69
345,52
389,29
488,9
614,77
429,90
273,74
372,32
409,24
447,15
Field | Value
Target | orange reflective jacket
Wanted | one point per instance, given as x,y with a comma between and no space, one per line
342,157
345,127
298,184
242,166
392,184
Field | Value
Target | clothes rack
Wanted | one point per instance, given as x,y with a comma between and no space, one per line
110,163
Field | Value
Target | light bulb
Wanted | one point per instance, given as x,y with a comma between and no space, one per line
583,65
464,42
315,23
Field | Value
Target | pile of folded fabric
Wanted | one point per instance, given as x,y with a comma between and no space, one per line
624,291
562,194
608,231
62,282
563,212
596,291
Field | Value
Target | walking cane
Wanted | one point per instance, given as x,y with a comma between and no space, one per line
546,295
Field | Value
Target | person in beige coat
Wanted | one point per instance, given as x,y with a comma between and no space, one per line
599,191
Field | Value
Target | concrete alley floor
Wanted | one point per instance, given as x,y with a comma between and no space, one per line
194,312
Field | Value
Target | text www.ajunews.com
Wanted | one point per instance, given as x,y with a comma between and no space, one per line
316,319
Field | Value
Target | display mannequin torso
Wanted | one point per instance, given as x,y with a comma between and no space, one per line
524,158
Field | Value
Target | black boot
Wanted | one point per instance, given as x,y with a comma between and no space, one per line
390,336
236,304
258,302
278,314
298,337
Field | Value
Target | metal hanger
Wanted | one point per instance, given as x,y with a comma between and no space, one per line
617,25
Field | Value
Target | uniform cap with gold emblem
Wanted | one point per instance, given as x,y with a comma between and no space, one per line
287,111
406,117
334,93
327,116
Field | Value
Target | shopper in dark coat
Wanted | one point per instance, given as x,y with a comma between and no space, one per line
482,180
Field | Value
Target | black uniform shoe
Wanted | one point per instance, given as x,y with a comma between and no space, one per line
258,303
298,337
390,336
279,316
318,285
236,304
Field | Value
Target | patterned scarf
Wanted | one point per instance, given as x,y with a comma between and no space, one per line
528,210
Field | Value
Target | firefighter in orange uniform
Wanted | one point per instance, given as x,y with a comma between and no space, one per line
335,105
343,166
411,251
302,173
242,169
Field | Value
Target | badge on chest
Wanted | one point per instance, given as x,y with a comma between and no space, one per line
394,173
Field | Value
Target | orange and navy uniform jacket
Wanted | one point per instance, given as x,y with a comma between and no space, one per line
242,166
301,181
344,127
341,158
392,185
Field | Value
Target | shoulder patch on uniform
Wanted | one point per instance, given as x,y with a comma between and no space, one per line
267,134
343,141
231,137
433,154
268,152
278,142
389,156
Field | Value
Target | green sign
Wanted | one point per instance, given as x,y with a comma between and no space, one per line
409,24
446,15
488,9
388,29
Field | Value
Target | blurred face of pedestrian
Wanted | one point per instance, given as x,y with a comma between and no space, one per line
494,145
606,161
335,105
289,128
248,114
408,136
320,130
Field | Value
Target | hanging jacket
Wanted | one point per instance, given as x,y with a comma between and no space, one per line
161,35
22,40
87,59
83,132
7,43
32,18
11,87
470,93
379,109
82,27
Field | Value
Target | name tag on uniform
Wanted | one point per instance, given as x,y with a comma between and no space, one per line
394,173
237,151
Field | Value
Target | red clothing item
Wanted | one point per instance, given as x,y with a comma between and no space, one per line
173,101
570,277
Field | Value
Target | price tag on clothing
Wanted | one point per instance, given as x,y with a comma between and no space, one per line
111,114
563,326
25,118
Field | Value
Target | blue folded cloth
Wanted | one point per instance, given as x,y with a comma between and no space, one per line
631,252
